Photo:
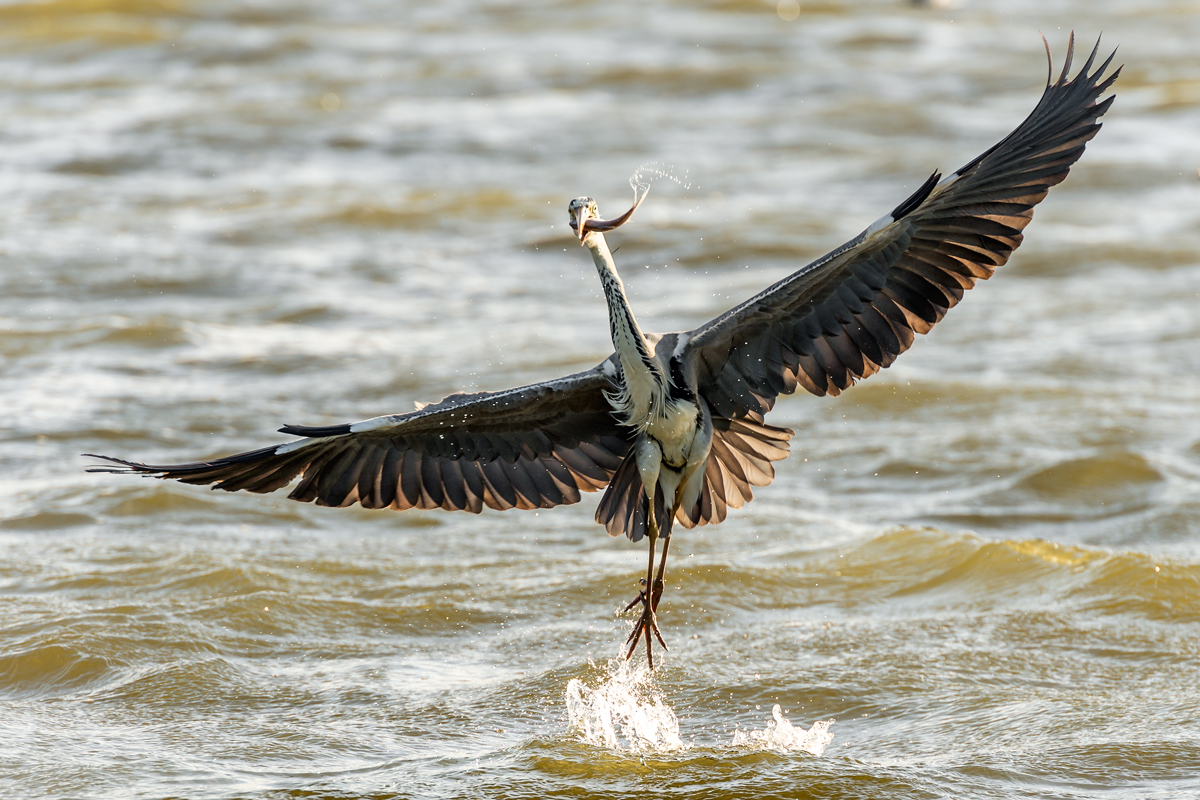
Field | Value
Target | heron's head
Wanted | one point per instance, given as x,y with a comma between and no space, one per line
581,209
585,216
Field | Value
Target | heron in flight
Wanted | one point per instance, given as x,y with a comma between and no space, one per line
671,426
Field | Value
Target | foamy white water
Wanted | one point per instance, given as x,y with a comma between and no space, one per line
625,711
780,735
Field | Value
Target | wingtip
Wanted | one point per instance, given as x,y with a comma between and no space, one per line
1070,57
315,432
1104,68
916,198
1049,60
1085,69
122,467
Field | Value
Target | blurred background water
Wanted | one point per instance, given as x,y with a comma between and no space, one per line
219,217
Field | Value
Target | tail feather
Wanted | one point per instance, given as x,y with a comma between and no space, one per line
622,510
741,457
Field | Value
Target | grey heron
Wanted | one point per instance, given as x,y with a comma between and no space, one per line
672,426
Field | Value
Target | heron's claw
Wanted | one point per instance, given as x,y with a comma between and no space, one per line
647,623
641,598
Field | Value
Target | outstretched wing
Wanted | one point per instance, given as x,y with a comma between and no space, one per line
850,313
536,446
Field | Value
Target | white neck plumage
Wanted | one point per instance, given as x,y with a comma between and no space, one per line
645,387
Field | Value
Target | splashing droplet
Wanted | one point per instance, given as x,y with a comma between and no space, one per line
626,711
648,173
781,736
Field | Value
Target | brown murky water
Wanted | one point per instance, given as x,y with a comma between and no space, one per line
983,563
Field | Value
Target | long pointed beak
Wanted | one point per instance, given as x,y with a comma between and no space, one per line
602,225
579,222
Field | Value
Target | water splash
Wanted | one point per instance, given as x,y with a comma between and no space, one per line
648,173
625,711
782,737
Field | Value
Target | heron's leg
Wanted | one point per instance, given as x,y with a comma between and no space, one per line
641,598
656,595
648,623
662,570
658,580
636,635
649,619
653,537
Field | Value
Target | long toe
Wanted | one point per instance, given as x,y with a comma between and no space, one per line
657,632
646,625
643,620
641,598
633,643
637,629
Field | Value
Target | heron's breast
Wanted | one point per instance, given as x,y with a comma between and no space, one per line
675,429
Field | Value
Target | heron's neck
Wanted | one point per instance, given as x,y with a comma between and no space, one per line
646,385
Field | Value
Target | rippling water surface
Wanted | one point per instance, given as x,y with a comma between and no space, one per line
978,574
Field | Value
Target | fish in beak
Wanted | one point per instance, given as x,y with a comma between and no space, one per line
584,226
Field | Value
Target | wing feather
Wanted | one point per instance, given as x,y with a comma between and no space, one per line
852,312
742,452
535,446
